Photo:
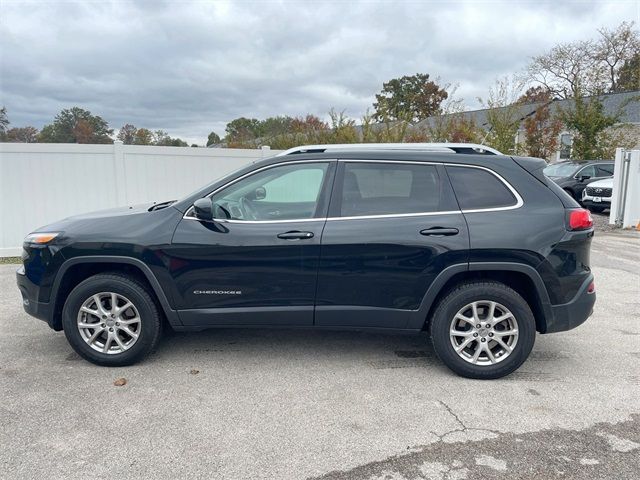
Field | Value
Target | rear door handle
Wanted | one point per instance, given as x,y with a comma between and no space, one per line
439,231
295,235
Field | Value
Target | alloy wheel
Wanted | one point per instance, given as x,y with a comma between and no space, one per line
484,332
109,323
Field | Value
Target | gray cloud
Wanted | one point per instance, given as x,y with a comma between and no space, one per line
190,67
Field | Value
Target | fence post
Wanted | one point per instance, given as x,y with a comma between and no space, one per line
119,172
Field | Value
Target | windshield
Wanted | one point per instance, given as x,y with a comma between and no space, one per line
560,170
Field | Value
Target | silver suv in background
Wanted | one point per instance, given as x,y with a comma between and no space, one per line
597,195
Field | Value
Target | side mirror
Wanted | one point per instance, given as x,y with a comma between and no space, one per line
584,177
203,209
261,193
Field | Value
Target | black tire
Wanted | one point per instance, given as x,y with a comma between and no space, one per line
596,209
463,295
150,319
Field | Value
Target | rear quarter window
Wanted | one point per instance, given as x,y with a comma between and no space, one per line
476,188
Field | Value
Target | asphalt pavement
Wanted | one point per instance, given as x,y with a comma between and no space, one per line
289,404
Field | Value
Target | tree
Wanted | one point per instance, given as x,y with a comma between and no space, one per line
409,98
143,136
541,132
615,48
629,75
213,139
274,126
163,139
4,122
503,115
535,95
588,66
22,135
587,119
241,132
567,68
127,134
76,125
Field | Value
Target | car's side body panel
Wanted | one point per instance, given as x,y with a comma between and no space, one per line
375,271
222,265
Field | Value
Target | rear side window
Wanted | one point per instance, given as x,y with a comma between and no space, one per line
605,170
389,188
476,189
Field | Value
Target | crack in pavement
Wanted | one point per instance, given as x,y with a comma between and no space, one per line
603,451
464,429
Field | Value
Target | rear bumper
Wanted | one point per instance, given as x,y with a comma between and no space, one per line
573,313
29,292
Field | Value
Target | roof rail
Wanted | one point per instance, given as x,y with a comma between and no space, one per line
424,147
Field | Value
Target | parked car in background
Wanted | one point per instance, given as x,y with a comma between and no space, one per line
573,177
597,196
480,249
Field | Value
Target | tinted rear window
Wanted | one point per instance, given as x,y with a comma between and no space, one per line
390,188
476,188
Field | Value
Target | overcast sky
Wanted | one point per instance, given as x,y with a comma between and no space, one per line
189,67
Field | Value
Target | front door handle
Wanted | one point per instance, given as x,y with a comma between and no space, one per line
439,231
295,235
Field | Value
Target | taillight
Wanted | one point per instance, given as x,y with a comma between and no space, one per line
580,219
591,288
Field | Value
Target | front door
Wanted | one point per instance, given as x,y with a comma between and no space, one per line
392,228
258,266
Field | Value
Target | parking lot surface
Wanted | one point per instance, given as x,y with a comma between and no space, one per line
281,404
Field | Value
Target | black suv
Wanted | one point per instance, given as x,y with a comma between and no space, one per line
481,250
573,177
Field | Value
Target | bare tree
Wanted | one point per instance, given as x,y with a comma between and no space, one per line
615,48
568,68
588,66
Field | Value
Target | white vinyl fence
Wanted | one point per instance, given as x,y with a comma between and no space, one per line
625,203
42,183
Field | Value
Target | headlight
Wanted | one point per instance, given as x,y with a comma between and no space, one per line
41,237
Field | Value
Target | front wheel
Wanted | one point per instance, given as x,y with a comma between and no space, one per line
483,330
111,320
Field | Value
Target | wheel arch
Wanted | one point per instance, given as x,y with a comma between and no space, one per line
75,270
524,279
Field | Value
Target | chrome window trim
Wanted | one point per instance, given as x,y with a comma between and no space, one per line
519,201
514,192
253,172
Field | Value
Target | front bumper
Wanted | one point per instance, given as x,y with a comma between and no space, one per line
29,292
573,313
588,202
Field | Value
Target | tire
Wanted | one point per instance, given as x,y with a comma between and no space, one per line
141,318
596,209
483,294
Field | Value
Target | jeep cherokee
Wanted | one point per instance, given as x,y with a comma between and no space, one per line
480,249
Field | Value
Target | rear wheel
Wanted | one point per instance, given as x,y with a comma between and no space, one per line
111,320
483,330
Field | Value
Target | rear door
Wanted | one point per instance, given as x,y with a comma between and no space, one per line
392,228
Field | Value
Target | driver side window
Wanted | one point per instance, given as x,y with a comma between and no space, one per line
589,171
286,192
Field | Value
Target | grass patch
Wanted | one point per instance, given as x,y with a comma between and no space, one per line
10,260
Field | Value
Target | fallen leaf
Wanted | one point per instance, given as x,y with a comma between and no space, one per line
120,382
